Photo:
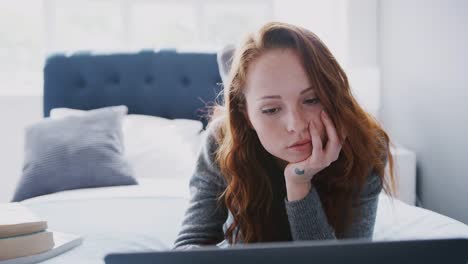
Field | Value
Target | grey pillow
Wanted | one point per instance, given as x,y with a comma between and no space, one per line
74,152
224,58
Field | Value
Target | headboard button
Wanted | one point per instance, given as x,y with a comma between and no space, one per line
115,79
185,81
81,83
149,79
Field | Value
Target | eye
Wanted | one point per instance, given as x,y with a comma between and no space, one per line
312,101
270,111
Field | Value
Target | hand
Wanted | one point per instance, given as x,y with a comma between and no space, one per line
301,173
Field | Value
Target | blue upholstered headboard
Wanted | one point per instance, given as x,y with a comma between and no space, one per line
166,83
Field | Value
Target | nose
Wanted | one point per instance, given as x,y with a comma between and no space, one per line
296,121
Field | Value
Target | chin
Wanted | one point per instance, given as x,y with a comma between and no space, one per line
288,157
300,156
294,158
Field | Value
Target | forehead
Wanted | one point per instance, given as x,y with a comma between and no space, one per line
277,71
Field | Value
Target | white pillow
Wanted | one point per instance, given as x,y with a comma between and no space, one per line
156,147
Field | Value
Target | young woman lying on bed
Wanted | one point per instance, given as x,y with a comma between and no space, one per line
290,155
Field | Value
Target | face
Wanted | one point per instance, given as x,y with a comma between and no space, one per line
280,105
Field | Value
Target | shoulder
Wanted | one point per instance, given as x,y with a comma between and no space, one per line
207,165
213,137
383,142
376,176
214,128
372,187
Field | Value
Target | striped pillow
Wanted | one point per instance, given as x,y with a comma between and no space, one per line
75,152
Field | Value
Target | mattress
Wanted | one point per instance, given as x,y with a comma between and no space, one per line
147,217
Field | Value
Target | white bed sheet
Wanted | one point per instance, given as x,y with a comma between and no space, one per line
148,216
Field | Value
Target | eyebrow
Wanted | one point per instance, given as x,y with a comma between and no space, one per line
278,97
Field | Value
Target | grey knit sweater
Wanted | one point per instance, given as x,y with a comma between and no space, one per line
205,221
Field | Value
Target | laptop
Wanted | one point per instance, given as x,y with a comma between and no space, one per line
349,251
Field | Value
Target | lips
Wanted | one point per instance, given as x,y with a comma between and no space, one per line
299,143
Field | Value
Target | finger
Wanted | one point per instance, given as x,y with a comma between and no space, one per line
333,147
317,147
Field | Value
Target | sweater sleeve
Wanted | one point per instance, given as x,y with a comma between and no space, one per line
308,221
204,218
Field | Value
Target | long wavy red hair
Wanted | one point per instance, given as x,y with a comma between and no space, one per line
246,165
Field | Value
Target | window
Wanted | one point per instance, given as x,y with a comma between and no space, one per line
84,25
21,46
29,35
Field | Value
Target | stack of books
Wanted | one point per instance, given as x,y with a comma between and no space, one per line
25,238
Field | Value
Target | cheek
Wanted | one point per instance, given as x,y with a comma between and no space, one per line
268,131
273,141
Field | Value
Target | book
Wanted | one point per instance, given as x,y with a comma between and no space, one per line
62,243
16,219
25,245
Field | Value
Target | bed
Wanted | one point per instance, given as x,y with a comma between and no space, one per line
147,216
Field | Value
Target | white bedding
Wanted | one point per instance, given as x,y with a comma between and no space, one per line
148,216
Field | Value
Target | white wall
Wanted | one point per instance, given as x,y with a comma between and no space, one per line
349,29
362,33
424,62
16,112
326,18
362,65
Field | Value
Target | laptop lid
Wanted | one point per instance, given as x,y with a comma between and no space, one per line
348,251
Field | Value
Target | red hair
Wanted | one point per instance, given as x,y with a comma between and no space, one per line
246,165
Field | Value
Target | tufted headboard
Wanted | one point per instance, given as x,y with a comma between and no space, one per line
166,83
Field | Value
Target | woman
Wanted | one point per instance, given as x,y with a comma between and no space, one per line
290,155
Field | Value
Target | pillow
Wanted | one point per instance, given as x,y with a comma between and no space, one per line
74,152
156,147
224,58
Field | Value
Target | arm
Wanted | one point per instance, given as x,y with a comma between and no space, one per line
204,217
308,220
306,215
363,225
